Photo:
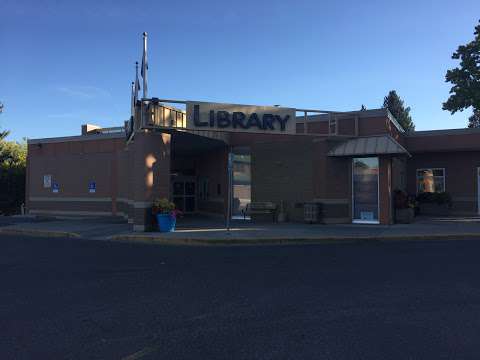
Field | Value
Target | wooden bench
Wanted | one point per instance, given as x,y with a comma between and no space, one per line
261,207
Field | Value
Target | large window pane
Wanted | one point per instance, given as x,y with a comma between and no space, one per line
430,180
241,180
365,189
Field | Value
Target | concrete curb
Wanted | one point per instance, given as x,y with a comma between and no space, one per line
38,232
290,241
245,241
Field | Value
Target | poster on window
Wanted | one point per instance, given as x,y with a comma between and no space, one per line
47,181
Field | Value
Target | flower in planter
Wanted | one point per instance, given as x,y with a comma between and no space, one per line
162,206
165,213
176,213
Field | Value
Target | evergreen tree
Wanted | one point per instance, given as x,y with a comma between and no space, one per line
474,120
397,108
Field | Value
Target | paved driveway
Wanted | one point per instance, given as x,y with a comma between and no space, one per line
78,299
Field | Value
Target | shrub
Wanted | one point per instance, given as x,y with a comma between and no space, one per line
439,198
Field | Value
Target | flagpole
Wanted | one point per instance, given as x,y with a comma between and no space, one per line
144,65
132,100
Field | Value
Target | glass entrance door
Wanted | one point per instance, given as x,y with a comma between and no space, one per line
183,193
365,190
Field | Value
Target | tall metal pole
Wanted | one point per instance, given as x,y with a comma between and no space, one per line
230,186
144,66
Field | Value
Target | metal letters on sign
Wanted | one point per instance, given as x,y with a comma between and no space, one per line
92,187
55,187
240,118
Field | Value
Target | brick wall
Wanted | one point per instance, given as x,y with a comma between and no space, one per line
283,171
460,176
73,165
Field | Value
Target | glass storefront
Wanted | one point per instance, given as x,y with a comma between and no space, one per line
365,190
183,192
241,181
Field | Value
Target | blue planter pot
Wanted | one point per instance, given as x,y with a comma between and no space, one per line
166,222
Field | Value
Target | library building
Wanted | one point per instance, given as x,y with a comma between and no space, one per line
257,163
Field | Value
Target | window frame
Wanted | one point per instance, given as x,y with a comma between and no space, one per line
360,221
431,169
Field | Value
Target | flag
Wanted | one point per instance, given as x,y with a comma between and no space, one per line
144,68
137,84
133,100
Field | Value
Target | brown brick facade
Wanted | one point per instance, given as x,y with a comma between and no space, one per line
288,170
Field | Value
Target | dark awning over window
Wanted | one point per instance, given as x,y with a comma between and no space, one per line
371,145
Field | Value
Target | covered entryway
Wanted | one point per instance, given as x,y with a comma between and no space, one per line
371,176
198,172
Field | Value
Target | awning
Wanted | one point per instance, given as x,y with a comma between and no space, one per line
370,145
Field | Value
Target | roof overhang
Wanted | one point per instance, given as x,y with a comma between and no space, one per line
369,145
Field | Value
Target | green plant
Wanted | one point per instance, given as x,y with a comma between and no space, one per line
162,206
439,198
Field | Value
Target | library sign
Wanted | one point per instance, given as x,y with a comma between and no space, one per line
240,118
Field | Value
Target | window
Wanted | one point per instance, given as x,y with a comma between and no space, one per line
242,181
365,190
332,125
430,180
204,192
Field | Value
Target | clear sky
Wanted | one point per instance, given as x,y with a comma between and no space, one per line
64,63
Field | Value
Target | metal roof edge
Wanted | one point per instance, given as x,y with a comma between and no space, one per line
387,136
394,121
458,131
75,138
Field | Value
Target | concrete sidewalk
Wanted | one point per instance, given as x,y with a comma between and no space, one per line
247,233
212,231
92,228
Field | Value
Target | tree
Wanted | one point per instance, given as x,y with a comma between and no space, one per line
474,120
465,78
397,108
13,157
12,154
3,134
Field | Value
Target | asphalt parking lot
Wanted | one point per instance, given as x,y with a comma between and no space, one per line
77,299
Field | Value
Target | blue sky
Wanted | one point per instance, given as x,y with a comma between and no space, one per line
64,63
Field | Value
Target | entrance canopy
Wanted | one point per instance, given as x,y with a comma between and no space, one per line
194,143
370,145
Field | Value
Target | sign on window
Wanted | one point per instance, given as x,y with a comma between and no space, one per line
47,181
